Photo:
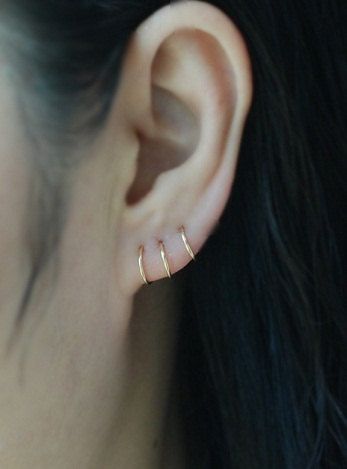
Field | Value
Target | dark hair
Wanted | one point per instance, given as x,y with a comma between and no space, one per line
262,357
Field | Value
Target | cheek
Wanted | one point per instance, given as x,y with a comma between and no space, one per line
14,170
14,184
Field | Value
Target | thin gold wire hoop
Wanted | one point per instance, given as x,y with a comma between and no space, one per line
142,270
164,259
186,243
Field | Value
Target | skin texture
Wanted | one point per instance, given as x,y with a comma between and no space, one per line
90,383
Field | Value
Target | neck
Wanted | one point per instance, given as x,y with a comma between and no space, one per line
98,393
150,431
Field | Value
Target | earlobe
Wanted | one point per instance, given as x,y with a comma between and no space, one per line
187,111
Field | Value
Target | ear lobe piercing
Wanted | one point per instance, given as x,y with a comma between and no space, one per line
164,256
164,259
185,241
142,271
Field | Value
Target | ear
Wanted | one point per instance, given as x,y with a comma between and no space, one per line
184,95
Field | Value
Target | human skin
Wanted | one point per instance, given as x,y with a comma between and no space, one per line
89,382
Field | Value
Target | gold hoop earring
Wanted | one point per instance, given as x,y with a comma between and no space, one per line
142,270
187,245
164,259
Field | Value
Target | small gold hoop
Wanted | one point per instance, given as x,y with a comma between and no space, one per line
142,270
164,259
187,245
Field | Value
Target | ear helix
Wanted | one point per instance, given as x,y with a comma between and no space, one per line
163,256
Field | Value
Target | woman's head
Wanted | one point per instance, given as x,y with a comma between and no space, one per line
123,121
154,117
